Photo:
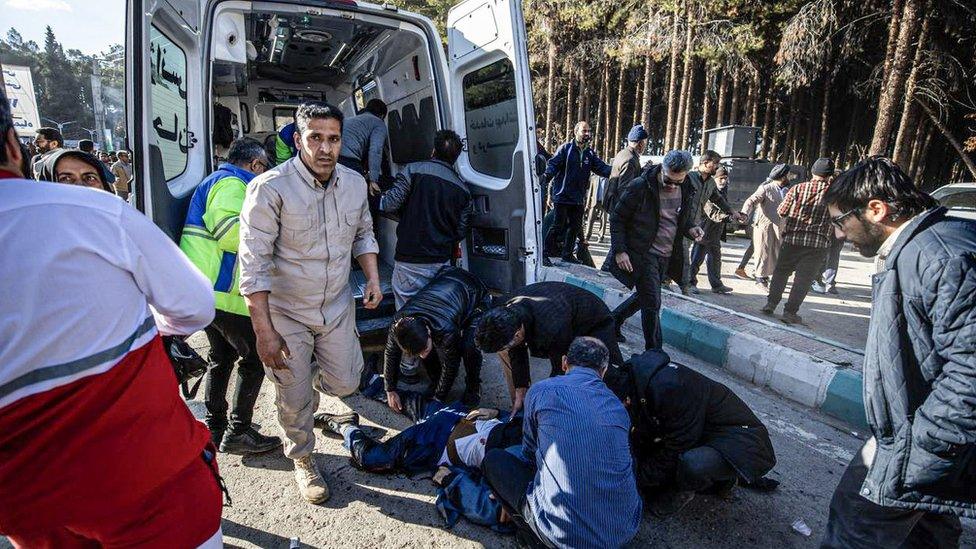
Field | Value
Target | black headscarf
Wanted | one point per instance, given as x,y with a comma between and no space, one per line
47,172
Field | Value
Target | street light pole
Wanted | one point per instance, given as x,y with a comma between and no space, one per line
60,125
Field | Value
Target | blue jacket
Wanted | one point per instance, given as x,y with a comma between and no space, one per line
920,369
569,169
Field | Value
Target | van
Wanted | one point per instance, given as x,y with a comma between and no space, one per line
197,69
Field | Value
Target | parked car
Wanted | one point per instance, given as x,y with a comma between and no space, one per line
960,198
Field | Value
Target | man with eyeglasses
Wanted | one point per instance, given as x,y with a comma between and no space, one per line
806,241
916,476
210,239
647,225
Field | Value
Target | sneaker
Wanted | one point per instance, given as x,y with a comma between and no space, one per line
311,483
763,283
248,442
768,309
216,436
792,318
832,290
471,397
818,287
722,290
333,423
670,502
740,273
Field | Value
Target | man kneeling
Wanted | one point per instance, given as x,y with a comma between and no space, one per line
690,435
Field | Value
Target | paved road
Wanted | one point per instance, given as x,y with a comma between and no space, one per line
369,510
842,317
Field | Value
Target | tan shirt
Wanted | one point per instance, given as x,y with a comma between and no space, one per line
298,239
123,174
765,201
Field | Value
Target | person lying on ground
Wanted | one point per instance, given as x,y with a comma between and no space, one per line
437,325
542,319
690,434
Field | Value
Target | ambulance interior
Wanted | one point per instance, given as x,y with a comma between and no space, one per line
343,58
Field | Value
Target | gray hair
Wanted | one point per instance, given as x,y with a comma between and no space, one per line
677,161
245,150
588,352
315,109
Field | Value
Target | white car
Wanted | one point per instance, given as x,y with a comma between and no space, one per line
960,198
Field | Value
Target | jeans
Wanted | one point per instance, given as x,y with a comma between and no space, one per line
805,261
702,468
231,337
646,299
832,263
568,222
509,477
856,523
709,253
686,244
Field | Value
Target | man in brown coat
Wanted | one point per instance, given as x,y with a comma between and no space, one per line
767,226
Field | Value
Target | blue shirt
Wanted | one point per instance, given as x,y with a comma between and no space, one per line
576,432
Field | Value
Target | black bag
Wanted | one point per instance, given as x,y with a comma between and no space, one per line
187,364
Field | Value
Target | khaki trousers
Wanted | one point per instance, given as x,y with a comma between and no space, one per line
766,240
336,371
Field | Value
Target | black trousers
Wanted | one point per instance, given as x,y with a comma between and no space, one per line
749,251
569,224
231,337
509,477
702,468
709,253
856,523
646,299
805,261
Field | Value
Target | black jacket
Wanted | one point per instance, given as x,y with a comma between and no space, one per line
920,369
633,225
553,314
447,304
434,206
623,169
675,409
706,192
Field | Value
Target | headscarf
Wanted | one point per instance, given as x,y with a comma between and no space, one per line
47,172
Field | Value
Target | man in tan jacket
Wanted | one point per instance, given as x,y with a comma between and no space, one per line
300,225
767,226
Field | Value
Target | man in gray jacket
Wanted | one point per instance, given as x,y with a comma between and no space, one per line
363,141
916,476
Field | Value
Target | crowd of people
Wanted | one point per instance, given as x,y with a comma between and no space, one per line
45,158
263,268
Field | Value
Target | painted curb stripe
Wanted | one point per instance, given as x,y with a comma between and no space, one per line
845,398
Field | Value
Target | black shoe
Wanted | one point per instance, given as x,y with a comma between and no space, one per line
333,423
722,290
670,502
832,290
216,436
248,442
792,318
768,309
471,397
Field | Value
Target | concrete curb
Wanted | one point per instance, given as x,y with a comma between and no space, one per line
833,389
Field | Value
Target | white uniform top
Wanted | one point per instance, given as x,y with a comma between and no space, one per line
471,449
84,279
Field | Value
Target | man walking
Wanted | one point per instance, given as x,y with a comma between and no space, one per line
806,238
300,225
122,170
210,239
705,190
569,173
363,142
647,225
767,226
573,484
625,167
915,477
709,250
98,448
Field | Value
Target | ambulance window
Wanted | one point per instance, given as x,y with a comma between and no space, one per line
491,118
169,107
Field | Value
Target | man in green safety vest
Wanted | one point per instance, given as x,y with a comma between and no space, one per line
210,238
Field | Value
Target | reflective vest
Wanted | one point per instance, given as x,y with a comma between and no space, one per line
211,233
285,144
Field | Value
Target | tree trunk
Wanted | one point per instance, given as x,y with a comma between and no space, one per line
917,140
638,91
893,28
895,85
767,124
550,93
645,116
956,144
608,116
723,92
754,102
825,114
686,116
810,143
620,110
774,148
734,108
600,127
707,103
584,97
789,148
570,103
672,87
909,116
923,152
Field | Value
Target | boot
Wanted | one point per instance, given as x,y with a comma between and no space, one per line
248,442
311,483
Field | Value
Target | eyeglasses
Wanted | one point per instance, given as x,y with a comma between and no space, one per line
670,182
839,220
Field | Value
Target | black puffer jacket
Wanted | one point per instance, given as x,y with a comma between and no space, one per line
920,369
675,409
634,221
448,303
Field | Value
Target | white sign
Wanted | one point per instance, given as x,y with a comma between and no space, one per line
23,102
168,84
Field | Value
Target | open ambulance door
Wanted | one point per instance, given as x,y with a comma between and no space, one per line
166,106
491,108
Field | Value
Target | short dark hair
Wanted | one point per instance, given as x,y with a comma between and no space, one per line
244,150
86,145
677,161
447,146
51,134
588,352
411,335
710,156
6,124
497,329
315,109
376,107
878,178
